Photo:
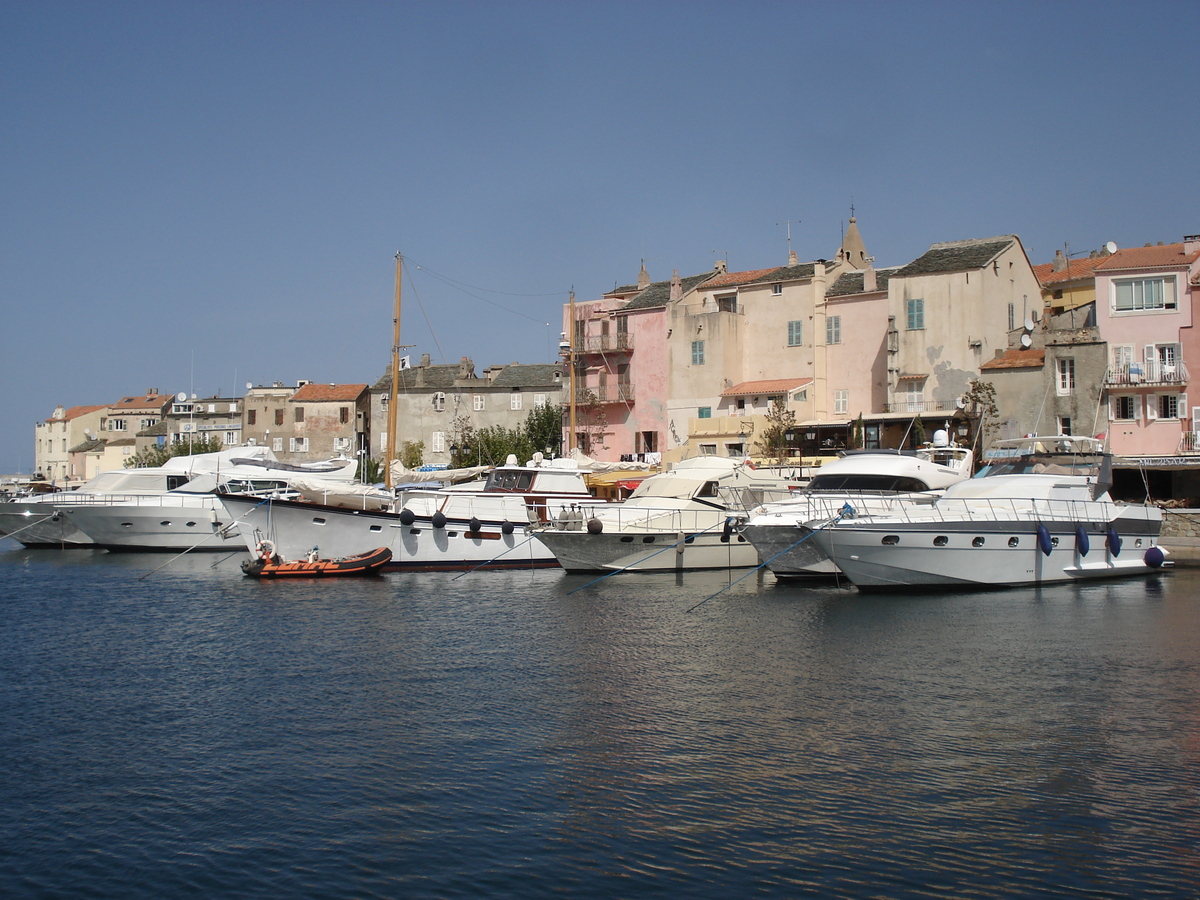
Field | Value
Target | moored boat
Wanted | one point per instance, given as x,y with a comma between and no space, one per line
269,564
478,524
870,480
681,519
1038,512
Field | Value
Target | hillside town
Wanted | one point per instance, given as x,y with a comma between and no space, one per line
779,364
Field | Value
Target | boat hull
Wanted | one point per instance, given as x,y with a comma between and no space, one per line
38,525
168,523
649,551
296,528
980,554
789,551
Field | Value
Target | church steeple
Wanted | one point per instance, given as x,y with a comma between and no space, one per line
643,278
853,252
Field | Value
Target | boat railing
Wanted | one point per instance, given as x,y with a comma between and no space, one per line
619,517
982,509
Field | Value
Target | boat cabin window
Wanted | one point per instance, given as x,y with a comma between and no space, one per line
866,482
1037,464
176,481
709,489
509,480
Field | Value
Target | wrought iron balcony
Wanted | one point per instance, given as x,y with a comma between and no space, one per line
1139,374
620,342
621,392
1189,442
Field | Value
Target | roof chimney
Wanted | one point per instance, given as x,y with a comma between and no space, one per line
643,278
870,283
1060,262
718,267
676,287
793,259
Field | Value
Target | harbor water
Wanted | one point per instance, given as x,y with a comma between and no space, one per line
189,732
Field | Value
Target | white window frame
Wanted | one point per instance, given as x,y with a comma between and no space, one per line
437,442
1064,375
1135,405
1154,409
841,401
539,399
708,449
1165,298
439,401
477,402
515,400
298,445
277,444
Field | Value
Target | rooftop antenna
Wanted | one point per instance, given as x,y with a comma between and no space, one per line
788,223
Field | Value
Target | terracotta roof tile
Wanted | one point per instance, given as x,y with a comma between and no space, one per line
75,412
1161,256
770,386
329,393
1017,359
1076,270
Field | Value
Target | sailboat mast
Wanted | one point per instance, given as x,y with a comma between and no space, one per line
391,433
571,383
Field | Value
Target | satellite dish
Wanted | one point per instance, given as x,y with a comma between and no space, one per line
181,396
1111,246
1029,323
249,385
960,402
1026,340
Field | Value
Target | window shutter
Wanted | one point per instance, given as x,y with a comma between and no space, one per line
1150,357
1183,408
1151,407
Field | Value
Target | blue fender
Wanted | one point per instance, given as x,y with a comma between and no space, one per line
1043,539
1153,557
1113,541
1082,543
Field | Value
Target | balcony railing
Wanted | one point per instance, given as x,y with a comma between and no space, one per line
918,406
605,393
607,343
1146,373
1189,442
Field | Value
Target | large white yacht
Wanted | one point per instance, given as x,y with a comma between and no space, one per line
160,499
868,479
1038,512
463,526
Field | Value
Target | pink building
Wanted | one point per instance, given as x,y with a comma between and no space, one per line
620,346
1145,311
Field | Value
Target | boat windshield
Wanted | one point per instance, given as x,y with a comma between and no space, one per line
1043,464
867,482
509,480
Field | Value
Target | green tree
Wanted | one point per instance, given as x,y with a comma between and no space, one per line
370,470
157,455
919,430
412,454
544,428
772,442
860,430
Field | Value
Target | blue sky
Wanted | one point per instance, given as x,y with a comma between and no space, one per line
200,195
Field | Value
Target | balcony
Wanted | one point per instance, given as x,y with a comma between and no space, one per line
1189,443
621,342
918,406
604,393
1143,374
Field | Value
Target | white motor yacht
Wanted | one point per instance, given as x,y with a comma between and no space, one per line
682,519
870,480
110,498
1038,512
